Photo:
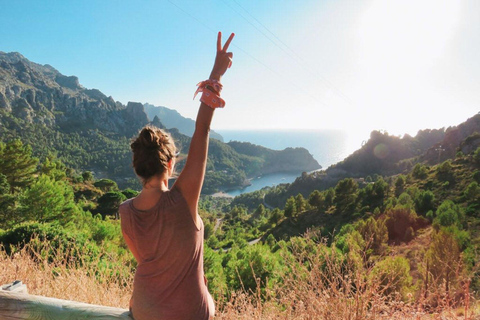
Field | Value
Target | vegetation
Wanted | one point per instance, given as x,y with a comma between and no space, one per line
363,245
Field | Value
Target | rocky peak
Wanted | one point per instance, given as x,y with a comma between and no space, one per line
69,82
39,93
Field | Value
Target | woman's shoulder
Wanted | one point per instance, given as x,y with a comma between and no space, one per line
174,195
125,206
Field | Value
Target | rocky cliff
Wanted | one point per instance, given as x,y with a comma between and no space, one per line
41,94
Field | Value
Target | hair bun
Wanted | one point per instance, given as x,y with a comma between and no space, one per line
148,138
152,150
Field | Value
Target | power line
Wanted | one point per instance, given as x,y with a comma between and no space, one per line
303,64
291,83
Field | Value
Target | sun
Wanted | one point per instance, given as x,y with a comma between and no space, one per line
401,46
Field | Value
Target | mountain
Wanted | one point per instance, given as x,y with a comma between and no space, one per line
87,130
387,155
42,95
173,119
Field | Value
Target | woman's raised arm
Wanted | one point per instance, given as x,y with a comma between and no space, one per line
191,178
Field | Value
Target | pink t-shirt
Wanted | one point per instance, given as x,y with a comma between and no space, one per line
169,281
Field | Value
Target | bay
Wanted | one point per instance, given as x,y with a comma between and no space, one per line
271,180
326,146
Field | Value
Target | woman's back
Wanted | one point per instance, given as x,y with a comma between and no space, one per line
169,281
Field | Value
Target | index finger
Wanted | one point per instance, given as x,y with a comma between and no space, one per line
219,41
225,47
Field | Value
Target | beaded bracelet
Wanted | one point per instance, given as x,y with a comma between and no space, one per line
210,93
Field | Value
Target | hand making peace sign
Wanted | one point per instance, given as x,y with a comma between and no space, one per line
223,60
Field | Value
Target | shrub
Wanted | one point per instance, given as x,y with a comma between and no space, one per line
419,171
393,274
51,236
448,214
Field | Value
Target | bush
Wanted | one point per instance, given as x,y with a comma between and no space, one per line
393,274
444,172
448,214
251,264
419,171
399,221
51,236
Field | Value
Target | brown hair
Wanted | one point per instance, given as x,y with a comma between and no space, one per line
152,150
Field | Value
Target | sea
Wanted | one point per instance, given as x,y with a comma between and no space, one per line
326,146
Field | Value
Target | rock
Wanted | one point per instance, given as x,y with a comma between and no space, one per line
4,104
69,82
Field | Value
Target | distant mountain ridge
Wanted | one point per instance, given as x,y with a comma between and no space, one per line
87,130
173,119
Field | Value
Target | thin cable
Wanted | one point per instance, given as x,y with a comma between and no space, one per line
191,16
303,64
252,57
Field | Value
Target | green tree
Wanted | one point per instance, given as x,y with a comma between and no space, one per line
4,185
444,172
405,201
329,197
374,195
290,207
424,201
260,212
472,192
476,176
130,193
47,200
345,195
275,216
208,230
53,168
476,156
7,204
109,203
448,214
87,176
213,242
214,273
17,164
106,185
316,199
419,171
400,185
300,203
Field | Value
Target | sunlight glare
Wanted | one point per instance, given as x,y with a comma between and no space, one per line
401,44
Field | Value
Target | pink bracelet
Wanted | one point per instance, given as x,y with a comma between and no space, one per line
211,99
210,93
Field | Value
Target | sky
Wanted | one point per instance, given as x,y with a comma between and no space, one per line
350,65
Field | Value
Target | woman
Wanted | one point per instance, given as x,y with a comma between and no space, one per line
162,227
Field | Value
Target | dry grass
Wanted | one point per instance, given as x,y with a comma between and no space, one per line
56,277
326,290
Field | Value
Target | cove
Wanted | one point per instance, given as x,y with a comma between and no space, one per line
268,180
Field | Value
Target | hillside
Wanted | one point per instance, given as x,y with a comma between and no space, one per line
404,243
173,119
386,155
89,131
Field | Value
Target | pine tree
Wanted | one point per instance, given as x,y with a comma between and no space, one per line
17,164
345,195
47,200
290,207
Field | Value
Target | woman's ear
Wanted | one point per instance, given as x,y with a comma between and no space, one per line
171,164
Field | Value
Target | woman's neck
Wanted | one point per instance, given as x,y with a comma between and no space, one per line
156,184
